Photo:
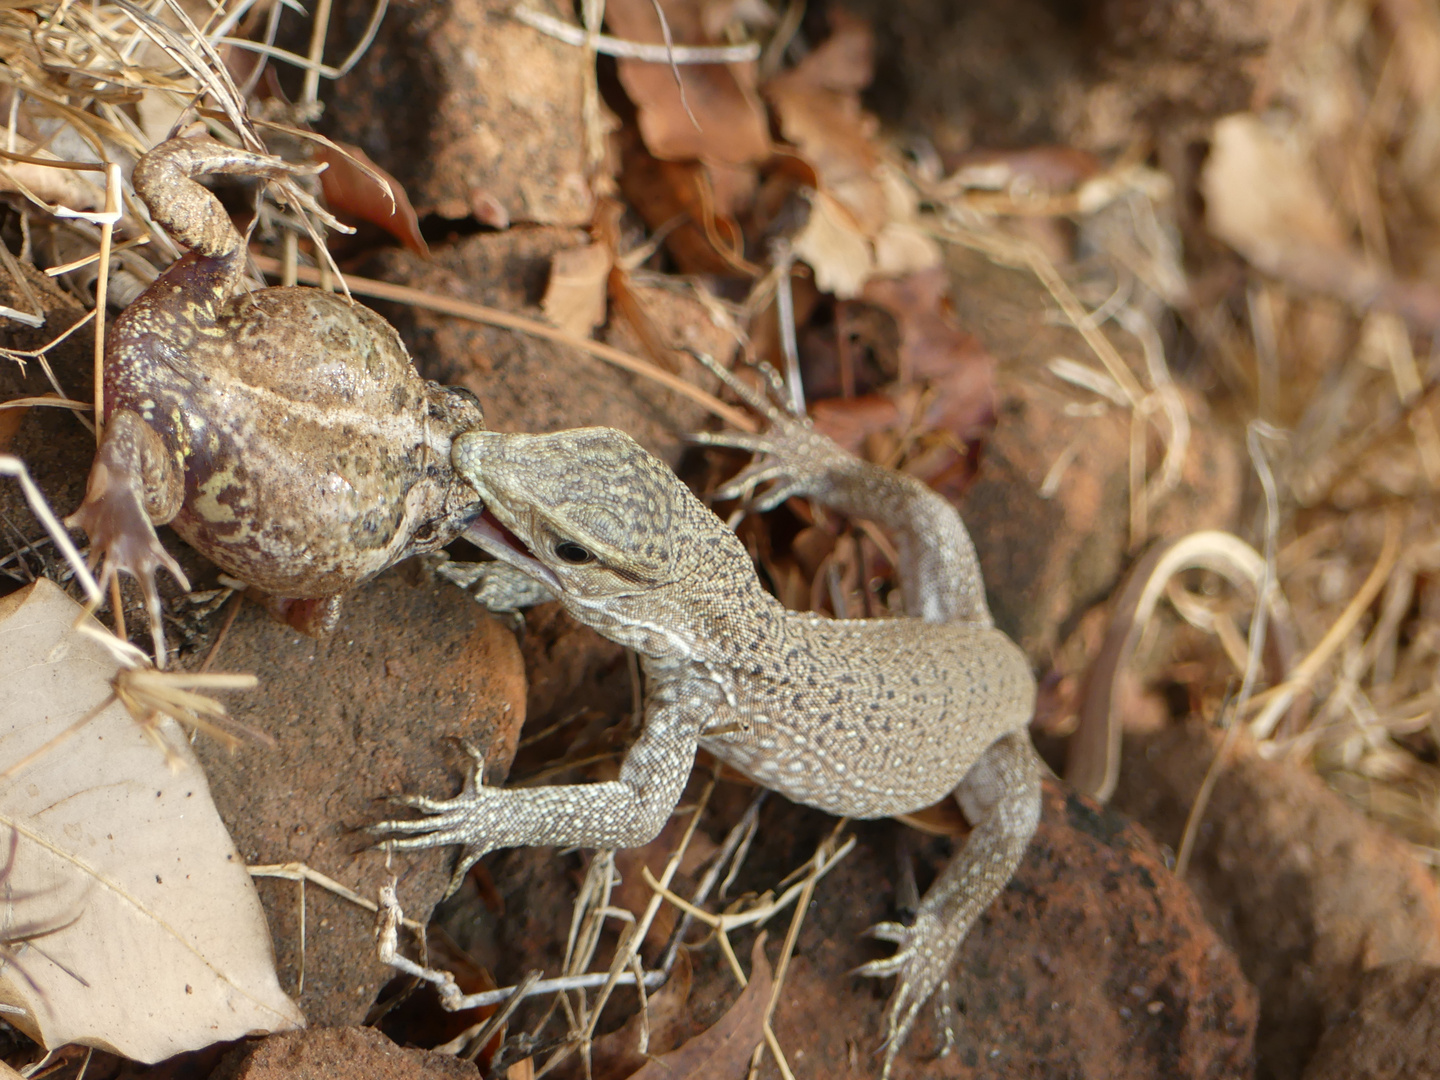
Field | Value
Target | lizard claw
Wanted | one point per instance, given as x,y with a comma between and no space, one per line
462,820
791,455
497,586
744,484
922,963
890,931
762,403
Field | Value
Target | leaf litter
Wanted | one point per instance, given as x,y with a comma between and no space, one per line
159,944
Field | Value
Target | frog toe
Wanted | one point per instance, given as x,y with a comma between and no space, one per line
122,539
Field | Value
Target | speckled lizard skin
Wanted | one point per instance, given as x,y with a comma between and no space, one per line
865,718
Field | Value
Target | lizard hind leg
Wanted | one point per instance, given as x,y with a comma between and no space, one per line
1001,796
133,485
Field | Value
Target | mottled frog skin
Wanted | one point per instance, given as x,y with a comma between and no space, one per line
283,433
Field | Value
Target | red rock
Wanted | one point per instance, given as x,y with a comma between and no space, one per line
359,717
329,1053
1309,893
1391,1032
475,113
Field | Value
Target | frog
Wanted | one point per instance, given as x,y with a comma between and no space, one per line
283,432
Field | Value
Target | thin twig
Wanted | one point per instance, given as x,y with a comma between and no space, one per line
1274,702
650,53
1258,623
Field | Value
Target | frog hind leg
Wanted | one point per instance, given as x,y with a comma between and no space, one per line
165,180
134,485
312,616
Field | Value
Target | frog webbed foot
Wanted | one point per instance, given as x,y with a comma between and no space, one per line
133,485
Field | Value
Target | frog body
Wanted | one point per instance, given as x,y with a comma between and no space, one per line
283,433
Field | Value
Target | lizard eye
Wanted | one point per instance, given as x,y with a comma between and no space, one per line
573,553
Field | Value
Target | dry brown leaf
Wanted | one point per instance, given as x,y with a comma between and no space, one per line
717,15
862,222
159,944
724,1049
818,105
617,1054
353,192
733,129
1262,196
73,189
575,298
706,241
943,389
838,251
10,421
932,344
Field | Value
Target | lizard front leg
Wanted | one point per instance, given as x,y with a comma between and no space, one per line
498,586
939,571
1001,797
625,812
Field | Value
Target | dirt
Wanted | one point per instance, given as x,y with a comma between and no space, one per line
330,1052
1313,898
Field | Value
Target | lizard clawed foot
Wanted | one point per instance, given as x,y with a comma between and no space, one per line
794,458
497,586
790,454
922,963
460,820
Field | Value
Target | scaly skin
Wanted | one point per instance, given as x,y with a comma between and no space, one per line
865,718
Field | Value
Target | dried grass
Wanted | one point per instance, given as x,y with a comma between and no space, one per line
1344,359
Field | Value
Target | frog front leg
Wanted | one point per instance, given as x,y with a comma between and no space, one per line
135,484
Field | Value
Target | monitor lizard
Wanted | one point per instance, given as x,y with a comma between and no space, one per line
859,717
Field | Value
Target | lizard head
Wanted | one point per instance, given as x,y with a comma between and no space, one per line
614,534
587,512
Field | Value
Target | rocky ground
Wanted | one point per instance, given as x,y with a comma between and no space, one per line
1159,163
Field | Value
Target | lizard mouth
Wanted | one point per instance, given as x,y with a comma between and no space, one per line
490,534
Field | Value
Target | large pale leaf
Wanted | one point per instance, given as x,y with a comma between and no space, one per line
162,945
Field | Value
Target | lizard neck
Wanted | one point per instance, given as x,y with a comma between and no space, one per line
717,614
